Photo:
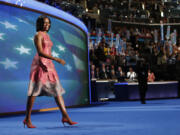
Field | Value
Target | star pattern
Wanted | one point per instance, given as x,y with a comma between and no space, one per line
54,54
27,49
20,20
68,67
9,25
9,64
61,49
17,30
23,50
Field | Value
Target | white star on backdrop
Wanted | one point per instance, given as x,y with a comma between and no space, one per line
9,64
54,54
20,20
23,50
1,36
62,49
9,25
31,38
68,67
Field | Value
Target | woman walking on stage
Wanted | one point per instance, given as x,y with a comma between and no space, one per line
44,80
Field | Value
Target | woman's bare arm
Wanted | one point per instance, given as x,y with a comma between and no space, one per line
38,42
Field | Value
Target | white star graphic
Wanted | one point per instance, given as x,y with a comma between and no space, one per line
61,48
9,25
20,20
9,64
31,38
68,67
1,36
23,50
54,54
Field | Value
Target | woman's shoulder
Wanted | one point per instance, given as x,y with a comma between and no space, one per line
39,34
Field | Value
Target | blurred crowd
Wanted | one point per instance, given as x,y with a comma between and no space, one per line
74,7
147,11
112,60
97,12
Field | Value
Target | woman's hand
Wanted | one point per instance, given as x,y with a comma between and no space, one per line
60,61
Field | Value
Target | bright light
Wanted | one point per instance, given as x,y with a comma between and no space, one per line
98,12
162,14
143,7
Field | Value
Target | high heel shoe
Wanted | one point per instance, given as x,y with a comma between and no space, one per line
64,120
28,126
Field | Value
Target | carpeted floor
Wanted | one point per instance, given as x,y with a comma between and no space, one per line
157,117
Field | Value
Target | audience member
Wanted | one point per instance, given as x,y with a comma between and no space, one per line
113,75
131,75
120,75
103,73
97,73
151,76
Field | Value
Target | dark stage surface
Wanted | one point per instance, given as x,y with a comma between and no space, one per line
157,117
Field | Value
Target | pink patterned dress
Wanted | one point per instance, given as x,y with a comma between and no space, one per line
42,82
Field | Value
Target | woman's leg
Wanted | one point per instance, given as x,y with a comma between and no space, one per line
30,102
60,102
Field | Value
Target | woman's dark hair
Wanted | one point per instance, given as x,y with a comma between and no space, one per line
40,23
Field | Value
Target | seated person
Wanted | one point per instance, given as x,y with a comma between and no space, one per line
120,74
103,73
151,76
92,71
113,75
108,71
93,75
131,75
97,73
92,67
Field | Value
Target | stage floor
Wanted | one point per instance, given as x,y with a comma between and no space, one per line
157,117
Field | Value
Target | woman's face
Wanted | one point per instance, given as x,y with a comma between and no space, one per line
46,24
119,68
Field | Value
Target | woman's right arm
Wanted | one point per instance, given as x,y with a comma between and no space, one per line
38,42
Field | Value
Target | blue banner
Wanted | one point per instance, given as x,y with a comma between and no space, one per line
99,33
174,37
162,32
168,33
117,40
155,36
109,25
112,39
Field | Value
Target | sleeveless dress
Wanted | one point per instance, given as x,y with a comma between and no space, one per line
44,82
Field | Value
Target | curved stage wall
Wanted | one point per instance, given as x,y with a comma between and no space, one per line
69,36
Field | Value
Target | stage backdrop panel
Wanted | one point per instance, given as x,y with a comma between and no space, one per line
17,30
